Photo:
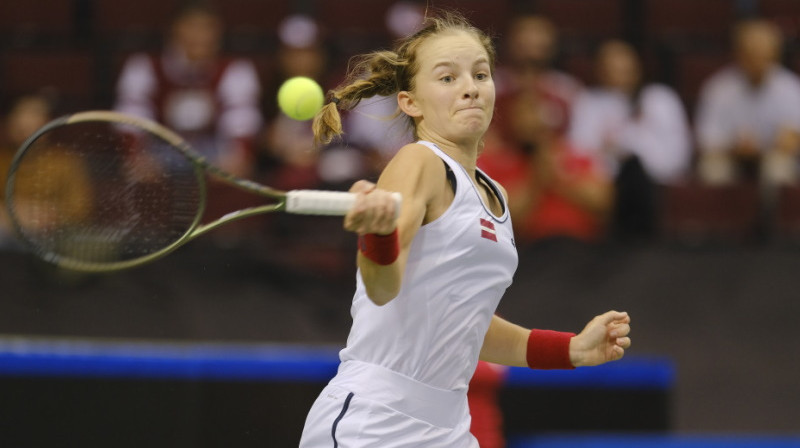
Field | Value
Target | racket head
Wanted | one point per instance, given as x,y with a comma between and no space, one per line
101,191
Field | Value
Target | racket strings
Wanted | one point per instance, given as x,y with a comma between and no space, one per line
101,192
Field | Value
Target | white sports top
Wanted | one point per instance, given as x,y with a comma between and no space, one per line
458,268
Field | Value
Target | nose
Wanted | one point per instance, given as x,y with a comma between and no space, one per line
471,89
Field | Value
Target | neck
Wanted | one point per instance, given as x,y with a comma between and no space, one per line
464,152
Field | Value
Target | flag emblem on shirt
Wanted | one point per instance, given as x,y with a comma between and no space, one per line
487,230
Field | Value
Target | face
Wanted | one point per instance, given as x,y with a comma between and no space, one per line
26,118
199,35
758,50
531,41
619,67
453,94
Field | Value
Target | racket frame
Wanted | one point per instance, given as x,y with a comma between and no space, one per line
200,166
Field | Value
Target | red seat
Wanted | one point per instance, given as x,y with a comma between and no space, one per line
692,70
491,16
698,213
70,74
689,20
785,13
365,17
585,18
133,25
32,19
787,213
251,25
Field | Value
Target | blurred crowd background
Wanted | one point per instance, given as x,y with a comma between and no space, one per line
616,120
620,125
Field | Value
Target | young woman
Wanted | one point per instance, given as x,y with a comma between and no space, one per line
429,281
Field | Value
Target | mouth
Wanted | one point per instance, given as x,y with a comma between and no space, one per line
469,108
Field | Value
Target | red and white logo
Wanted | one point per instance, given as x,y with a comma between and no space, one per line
487,230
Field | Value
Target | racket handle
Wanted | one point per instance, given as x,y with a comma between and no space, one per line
318,202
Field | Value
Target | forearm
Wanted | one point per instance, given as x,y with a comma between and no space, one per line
509,344
505,343
382,282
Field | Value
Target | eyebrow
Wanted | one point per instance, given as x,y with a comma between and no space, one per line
447,63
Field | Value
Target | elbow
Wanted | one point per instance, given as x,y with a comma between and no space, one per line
382,296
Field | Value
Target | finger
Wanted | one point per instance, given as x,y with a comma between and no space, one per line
388,222
372,213
380,216
611,316
358,214
619,330
362,186
617,353
352,222
624,343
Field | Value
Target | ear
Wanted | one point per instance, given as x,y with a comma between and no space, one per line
408,104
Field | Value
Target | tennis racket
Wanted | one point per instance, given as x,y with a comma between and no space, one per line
101,191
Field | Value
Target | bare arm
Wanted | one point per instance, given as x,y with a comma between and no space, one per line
605,338
415,173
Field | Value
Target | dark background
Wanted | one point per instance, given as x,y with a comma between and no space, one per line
719,303
725,314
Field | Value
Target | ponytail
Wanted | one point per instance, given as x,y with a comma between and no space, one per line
372,74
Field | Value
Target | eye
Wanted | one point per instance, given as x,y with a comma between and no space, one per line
482,76
447,79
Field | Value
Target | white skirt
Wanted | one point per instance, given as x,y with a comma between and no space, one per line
366,406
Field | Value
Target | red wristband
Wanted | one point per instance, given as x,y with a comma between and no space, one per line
382,249
549,349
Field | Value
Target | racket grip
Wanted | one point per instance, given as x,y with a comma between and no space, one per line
334,203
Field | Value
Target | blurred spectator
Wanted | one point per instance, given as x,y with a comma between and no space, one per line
554,190
64,191
211,100
375,126
300,53
289,158
530,47
640,130
484,404
748,115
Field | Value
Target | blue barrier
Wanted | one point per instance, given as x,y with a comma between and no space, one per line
20,356
655,441
630,373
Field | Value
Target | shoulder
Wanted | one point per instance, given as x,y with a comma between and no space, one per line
596,101
415,168
239,65
239,75
661,93
723,81
140,61
787,77
416,156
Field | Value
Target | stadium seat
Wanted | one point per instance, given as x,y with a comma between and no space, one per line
696,213
32,22
787,213
689,22
692,70
69,74
585,19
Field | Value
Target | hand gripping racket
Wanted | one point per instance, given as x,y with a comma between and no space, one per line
101,191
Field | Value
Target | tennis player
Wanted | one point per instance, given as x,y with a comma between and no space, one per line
429,282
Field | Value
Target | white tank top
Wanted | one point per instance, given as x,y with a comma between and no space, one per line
458,268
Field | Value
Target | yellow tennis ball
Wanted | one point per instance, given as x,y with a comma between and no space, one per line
300,98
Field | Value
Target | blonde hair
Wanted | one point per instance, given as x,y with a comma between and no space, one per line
388,72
